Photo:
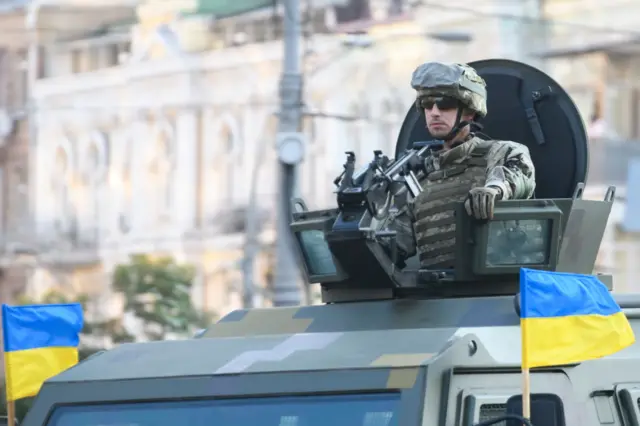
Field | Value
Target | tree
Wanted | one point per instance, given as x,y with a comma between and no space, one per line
158,293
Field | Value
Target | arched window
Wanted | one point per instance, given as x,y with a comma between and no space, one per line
161,169
60,184
120,182
93,158
93,187
227,142
61,162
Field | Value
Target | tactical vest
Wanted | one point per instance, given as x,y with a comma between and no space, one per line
434,223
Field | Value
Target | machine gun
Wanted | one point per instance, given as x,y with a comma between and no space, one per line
376,185
343,248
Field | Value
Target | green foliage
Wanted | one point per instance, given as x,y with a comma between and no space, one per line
22,405
158,292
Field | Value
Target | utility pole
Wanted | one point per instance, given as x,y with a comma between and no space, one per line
33,61
286,287
251,229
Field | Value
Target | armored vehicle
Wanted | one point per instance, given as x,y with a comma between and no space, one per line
392,344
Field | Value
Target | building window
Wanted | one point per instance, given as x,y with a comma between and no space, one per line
228,140
396,7
76,61
113,55
161,170
60,184
4,77
22,86
354,10
94,59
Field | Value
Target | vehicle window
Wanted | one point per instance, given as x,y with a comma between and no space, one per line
335,410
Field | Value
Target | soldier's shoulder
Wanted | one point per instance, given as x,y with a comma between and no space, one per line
501,145
508,143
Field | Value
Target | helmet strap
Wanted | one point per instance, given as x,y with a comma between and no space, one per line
458,124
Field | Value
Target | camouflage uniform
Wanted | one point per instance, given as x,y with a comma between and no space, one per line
475,168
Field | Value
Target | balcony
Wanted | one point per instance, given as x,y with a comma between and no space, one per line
65,245
227,227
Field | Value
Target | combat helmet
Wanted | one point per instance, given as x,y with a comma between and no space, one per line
459,81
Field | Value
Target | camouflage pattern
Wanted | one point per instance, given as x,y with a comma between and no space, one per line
428,222
459,81
336,349
434,226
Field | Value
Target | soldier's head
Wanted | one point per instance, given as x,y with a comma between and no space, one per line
451,96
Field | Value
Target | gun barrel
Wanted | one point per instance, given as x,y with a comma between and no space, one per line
398,165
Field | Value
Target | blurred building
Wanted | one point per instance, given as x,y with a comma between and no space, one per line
145,144
27,29
152,136
156,132
594,50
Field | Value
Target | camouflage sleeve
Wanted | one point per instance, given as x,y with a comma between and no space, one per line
510,168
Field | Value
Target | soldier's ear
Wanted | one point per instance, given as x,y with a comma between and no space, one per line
468,115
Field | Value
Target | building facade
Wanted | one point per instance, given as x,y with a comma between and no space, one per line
14,168
160,152
594,52
26,30
166,143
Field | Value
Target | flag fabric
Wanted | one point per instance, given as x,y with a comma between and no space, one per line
40,341
568,318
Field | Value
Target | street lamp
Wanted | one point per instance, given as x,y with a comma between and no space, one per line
451,36
364,40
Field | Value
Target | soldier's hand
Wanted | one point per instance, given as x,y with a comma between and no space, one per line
481,201
416,164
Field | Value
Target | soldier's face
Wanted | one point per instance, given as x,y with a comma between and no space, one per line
440,114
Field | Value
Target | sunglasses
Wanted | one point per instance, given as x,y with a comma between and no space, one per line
444,103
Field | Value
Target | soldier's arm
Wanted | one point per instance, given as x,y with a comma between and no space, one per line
510,168
405,239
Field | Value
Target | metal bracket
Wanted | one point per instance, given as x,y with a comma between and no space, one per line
610,195
298,205
577,193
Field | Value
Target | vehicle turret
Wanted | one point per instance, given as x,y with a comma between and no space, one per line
349,253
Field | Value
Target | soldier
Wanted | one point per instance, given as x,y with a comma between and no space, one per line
468,168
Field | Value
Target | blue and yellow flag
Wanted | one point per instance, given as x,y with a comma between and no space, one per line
568,318
40,341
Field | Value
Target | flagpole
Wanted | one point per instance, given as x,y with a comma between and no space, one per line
11,413
11,405
526,377
526,394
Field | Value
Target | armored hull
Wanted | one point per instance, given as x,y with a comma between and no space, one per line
428,362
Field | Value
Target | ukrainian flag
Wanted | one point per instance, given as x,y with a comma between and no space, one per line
568,318
40,341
